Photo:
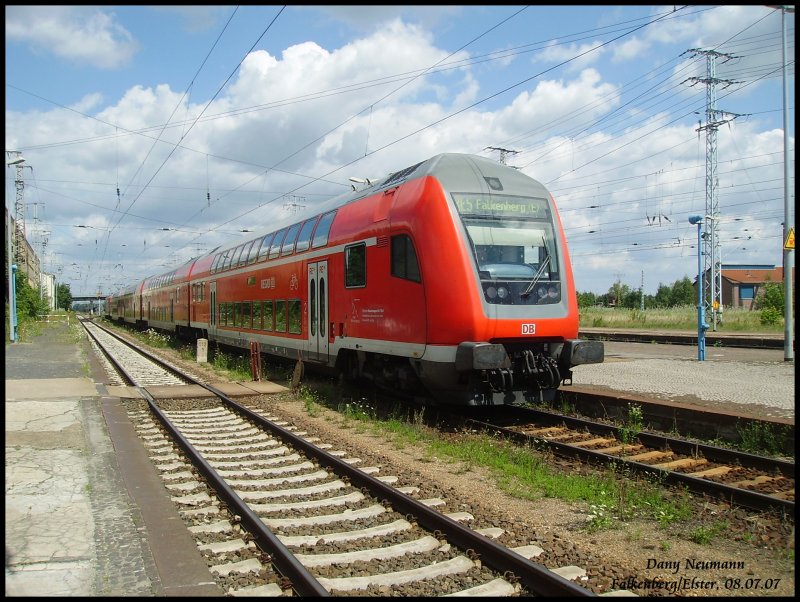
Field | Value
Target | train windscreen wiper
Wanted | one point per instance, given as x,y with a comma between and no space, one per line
537,276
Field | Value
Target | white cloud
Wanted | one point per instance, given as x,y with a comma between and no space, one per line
78,34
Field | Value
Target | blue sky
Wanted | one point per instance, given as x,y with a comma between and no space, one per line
213,120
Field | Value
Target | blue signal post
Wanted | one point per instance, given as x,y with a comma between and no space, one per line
701,322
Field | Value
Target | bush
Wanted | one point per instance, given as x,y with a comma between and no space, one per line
770,316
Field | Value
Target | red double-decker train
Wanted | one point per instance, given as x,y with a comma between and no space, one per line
449,278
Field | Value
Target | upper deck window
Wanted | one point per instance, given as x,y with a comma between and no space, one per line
291,236
264,250
228,258
304,238
253,255
245,252
323,229
275,249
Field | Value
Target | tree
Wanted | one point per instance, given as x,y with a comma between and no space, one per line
663,295
773,297
587,300
632,299
683,293
29,300
63,297
618,292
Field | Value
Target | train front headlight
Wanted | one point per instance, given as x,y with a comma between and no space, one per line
491,292
502,292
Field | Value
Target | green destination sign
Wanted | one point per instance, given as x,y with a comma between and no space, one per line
494,205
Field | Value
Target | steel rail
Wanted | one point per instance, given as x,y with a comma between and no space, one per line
537,578
302,581
734,495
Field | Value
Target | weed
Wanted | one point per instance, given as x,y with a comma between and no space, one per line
310,401
703,535
759,437
633,424
599,518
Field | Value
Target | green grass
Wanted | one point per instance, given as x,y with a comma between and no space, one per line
525,472
674,318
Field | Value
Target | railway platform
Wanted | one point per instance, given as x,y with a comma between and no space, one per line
753,382
85,514
720,338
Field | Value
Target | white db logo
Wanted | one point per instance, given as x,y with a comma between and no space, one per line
529,329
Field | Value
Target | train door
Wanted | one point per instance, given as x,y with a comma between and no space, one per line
212,309
318,311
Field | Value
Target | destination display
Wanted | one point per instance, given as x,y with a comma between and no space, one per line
500,206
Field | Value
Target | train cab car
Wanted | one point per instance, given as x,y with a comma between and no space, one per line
455,275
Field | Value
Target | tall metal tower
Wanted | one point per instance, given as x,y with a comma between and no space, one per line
19,210
712,267
503,153
291,204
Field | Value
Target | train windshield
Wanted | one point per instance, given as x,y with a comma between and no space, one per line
513,243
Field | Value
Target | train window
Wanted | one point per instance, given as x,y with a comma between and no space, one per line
222,314
245,253
291,237
237,256
275,249
280,315
247,319
323,229
355,261
237,314
404,258
294,316
214,263
264,250
322,310
229,314
304,238
312,306
269,315
257,315
226,263
251,258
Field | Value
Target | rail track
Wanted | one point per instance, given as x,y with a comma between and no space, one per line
735,477
276,512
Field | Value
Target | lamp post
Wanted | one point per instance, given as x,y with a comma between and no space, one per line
701,322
